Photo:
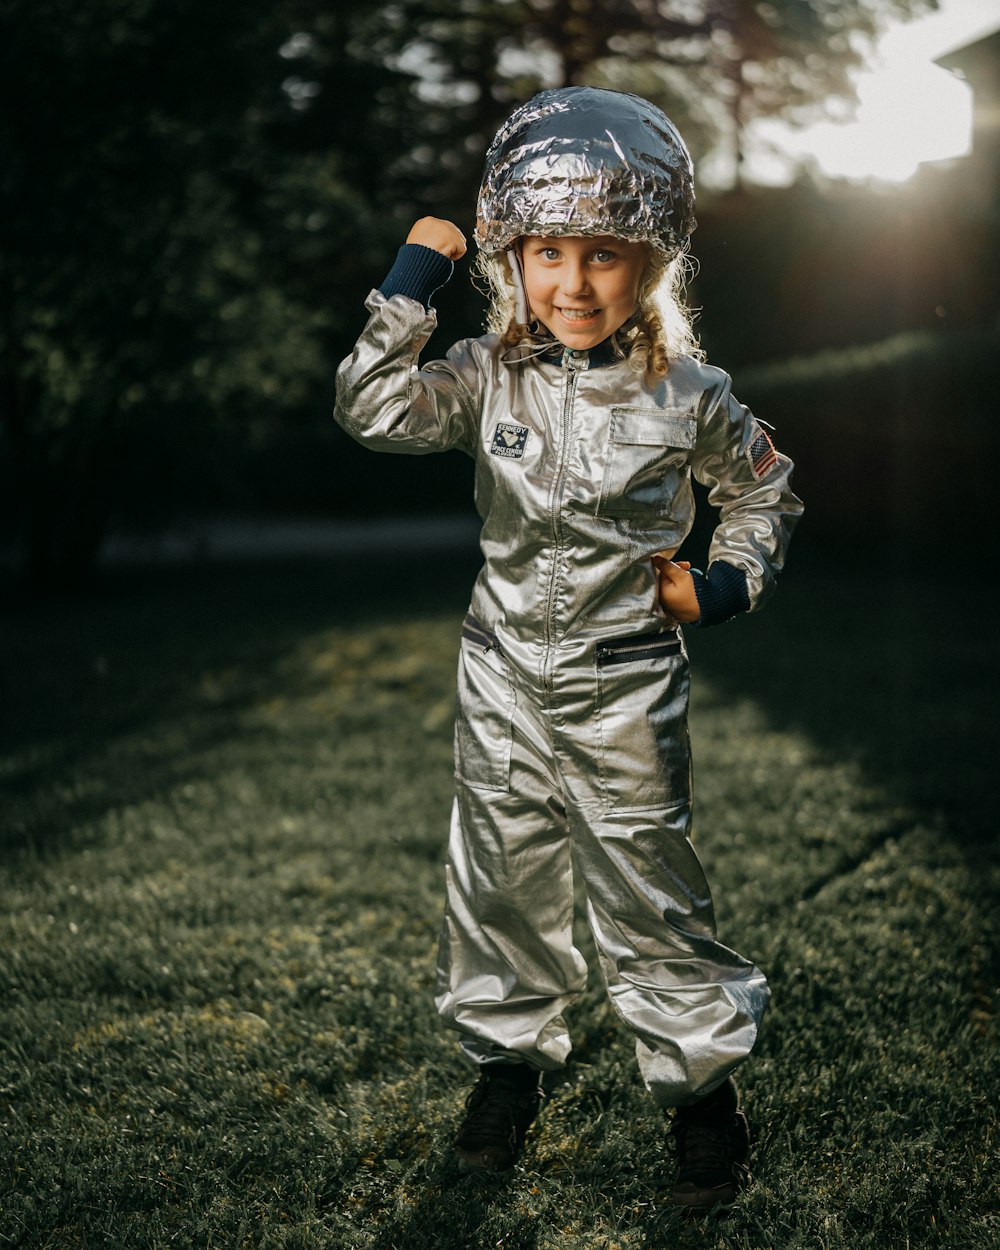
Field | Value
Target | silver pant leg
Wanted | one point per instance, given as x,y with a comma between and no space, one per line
693,1005
507,968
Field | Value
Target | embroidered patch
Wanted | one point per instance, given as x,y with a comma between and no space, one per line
761,453
509,441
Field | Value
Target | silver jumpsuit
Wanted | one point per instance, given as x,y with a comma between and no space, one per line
571,739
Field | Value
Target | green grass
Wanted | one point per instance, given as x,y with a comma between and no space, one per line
224,810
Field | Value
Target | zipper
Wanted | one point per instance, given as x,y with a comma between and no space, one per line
571,364
639,647
474,632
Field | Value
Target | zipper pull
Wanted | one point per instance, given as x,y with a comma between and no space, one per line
573,358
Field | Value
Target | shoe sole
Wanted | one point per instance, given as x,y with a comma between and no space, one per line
705,1201
474,1161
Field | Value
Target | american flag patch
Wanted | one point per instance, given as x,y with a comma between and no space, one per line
761,454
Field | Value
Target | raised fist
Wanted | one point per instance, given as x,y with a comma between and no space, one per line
443,236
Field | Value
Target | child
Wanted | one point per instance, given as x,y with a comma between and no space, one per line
586,412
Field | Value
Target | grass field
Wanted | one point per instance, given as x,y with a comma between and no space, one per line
224,808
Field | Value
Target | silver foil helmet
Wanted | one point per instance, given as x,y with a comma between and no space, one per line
587,161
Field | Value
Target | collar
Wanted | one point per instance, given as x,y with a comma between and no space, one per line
551,350
597,357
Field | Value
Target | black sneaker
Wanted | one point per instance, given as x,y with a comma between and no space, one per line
499,1109
713,1143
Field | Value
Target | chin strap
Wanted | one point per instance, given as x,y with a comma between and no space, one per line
521,313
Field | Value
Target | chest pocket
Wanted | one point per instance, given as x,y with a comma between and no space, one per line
647,459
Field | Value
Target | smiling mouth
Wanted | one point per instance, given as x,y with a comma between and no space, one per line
579,314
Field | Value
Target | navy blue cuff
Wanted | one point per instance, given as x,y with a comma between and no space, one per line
418,272
722,593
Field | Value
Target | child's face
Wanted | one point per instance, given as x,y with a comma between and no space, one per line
582,289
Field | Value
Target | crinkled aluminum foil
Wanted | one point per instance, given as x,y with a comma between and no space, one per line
583,160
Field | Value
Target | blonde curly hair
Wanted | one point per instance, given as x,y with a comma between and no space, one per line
662,328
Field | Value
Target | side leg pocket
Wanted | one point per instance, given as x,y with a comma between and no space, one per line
642,707
484,718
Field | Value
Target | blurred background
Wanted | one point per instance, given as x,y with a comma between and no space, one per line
196,200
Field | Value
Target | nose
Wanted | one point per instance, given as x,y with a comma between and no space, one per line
575,282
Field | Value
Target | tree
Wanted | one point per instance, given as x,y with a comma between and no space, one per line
166,258
714,65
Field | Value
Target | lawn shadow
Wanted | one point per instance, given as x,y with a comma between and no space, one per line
859,657
113,696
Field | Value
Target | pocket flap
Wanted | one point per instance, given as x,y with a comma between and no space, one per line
653,427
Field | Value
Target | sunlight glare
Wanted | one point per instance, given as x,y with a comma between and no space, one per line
909,112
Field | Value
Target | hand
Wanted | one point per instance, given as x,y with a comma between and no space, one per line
443,236
675,589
